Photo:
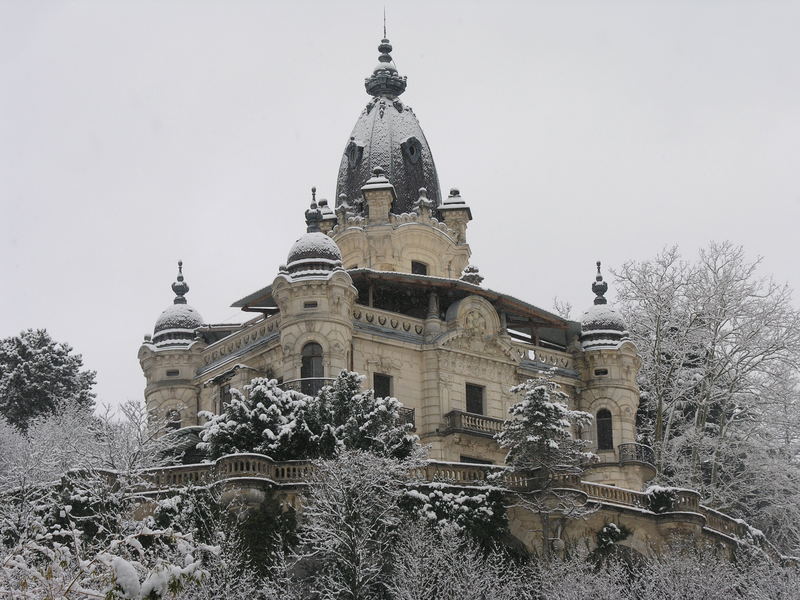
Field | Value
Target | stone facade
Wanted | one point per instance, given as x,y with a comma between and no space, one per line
379,290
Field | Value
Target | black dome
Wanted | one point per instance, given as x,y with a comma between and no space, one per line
388,135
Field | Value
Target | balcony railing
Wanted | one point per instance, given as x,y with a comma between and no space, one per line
458,420
309,386
407,416
636,453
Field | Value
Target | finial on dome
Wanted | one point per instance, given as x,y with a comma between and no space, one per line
313,213
385,81
180,287
599,287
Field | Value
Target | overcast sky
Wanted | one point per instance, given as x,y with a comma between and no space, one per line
136,133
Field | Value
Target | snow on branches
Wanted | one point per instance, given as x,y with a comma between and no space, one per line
538,434
288,425
38,375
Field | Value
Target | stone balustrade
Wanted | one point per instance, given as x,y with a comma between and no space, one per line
293,473
613,494
458,420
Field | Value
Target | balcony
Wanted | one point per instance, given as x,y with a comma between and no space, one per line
458,420
407,415
636,453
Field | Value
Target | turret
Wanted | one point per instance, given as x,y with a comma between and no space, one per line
611,394
315,296
170,358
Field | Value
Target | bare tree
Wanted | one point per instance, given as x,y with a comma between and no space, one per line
349,518
720,347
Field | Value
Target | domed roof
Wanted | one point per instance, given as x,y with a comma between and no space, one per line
601,325
178,316
387,135
176,325
315,246
314,254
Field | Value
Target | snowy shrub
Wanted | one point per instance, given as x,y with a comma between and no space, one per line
265,419
349,418
480,513
610,535
660,499
286,425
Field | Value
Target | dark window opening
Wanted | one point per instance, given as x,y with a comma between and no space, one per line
474,461
311,368
382,384
601,371
605,435
419,268
173,373
224,397
474,399
310,304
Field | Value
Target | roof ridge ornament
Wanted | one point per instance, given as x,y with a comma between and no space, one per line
599,287
313,213
180,287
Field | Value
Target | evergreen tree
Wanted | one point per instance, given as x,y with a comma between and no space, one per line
286,425
538,434
38,374
540,443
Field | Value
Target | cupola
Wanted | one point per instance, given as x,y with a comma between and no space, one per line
314,254
601,325
176,325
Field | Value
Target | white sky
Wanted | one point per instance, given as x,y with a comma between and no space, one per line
136,133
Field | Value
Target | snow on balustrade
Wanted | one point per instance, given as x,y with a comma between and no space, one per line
615,495
460,420
292,473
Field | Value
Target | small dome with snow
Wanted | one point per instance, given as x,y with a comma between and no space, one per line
314,254
314,247
601,325
178,316
176,325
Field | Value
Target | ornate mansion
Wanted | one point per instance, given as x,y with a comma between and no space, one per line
381,284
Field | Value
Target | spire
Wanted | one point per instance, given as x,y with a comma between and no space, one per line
313,214
599,287
385,80
180,287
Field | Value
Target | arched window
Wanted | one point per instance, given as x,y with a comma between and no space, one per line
605,434
311,369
